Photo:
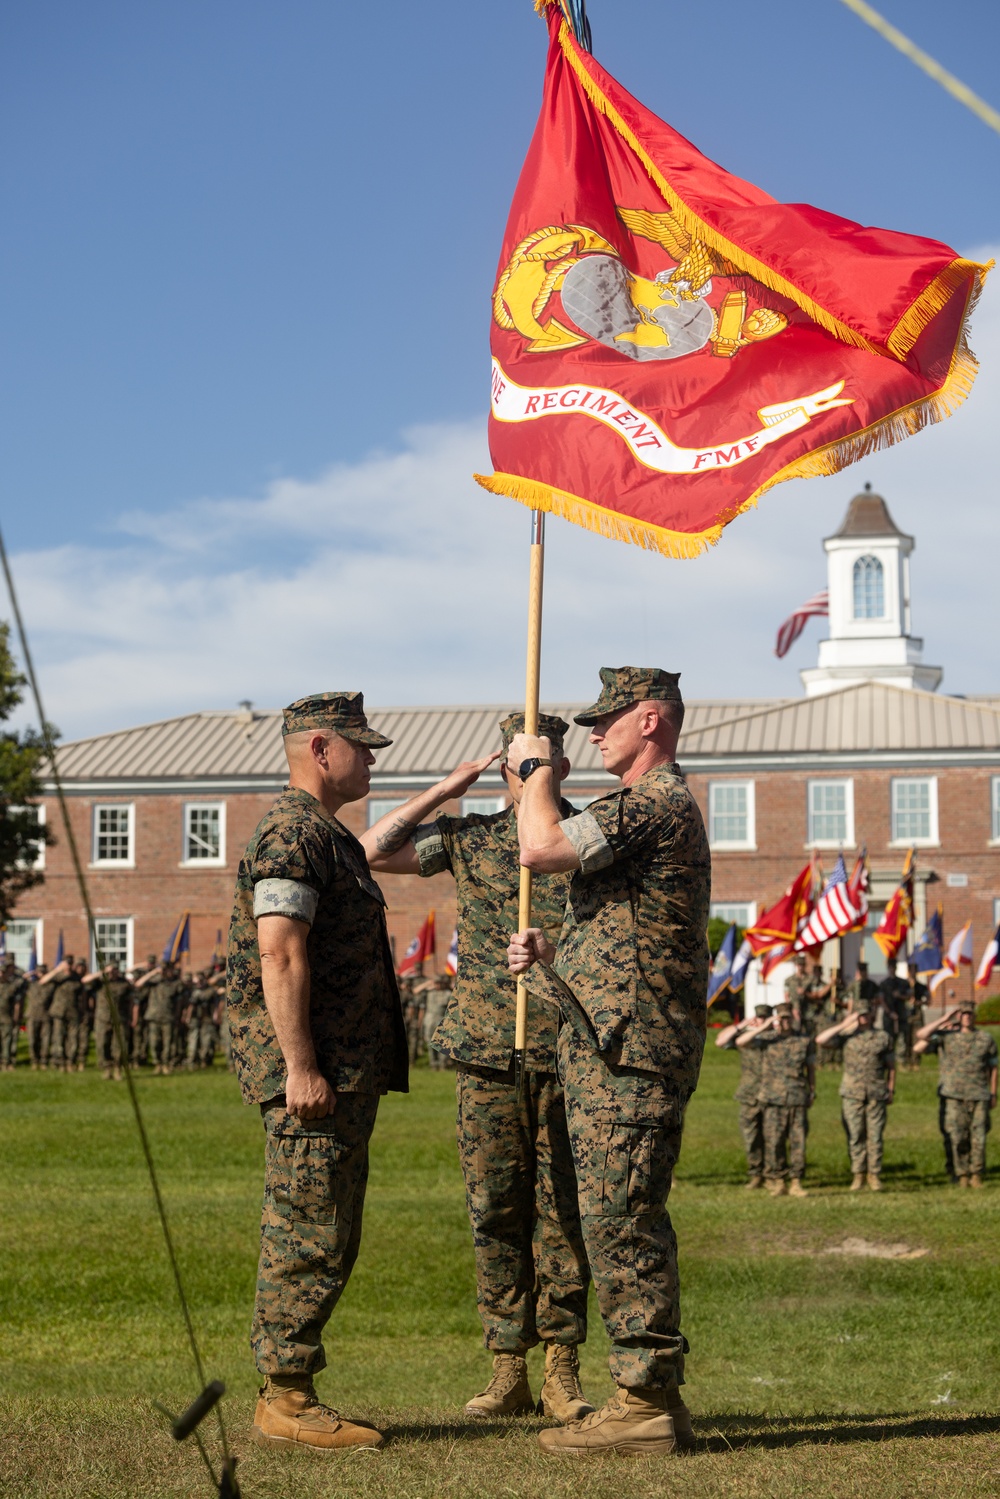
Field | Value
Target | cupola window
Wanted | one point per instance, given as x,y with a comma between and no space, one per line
869,597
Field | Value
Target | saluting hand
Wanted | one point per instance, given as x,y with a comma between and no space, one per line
463,775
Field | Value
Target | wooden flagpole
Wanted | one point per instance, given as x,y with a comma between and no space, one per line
531,680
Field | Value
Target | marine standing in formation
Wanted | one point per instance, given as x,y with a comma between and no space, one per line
866,1090
12,987
967,1085
787,1091
520,1188
317,1035
630,976
748,1093
119,991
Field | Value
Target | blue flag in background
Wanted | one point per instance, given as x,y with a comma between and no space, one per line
738,972
179,940
59,949
33,956
718,979
927,953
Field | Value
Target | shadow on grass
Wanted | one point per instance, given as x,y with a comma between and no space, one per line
462,1431
726,1433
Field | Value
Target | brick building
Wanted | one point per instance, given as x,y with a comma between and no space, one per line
870,757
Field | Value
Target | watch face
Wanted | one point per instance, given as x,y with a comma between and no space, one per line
525,768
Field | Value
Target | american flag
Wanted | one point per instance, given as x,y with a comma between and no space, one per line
841,907
790,631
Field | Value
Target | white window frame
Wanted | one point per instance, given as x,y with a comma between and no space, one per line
484,805
848,839
129,923
932,841
38,862
215,861
38,922
876,571
726,910
95,819
377,807
724,844
995,811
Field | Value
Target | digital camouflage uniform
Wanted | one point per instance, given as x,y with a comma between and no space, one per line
12,994
965,1060
36,1014
784,1092
203,1034
64,1018
797,988
435,1005
747,1095
631,975
302,862
162,1014
869,1057
106,1048
520,1187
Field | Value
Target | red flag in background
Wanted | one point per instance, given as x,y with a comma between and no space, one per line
890,934
424,945
669,341
781,924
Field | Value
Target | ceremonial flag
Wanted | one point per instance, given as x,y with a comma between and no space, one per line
959,950
927,953
3,941
33,956
789,632
989,960
179,940
451,961
834,912
938,979
718,978
771,959
741,962
218,951
669,341
59,949
891,932
782,922
423,946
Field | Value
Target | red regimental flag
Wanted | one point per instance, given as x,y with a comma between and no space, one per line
890,934
782,923
424,945
668,341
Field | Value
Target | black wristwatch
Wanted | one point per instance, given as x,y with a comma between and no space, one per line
528,767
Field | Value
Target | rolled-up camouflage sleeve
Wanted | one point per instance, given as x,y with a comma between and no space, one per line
429,842
273,897
589,843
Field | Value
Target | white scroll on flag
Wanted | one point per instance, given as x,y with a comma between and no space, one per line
841,908
989,960
959,952
814,608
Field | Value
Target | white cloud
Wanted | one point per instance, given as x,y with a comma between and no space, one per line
399,575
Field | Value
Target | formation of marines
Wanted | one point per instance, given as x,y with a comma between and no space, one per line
169,1022
872,1030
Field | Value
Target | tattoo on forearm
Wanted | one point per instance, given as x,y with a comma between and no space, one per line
395,835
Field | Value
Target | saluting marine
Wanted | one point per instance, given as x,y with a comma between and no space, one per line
747,1094
866,1090
968,1086
787,1090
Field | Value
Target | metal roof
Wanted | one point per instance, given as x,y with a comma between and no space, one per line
868,515
245,746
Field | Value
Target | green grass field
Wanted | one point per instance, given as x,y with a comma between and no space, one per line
810,1373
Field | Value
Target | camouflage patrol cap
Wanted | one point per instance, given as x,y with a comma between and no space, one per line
343,712
549,727
782,1010
967,1007
862,1007
762,1012
624,685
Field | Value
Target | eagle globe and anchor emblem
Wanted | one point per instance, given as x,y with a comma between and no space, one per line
667,317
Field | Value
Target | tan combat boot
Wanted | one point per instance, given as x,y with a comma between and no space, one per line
507,1393
777,1188
963,1181
975,1180
796,1189
289,1415
561,1397
857,1181
754,1183
874,1182
634,1423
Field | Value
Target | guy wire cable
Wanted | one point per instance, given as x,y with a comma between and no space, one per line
120,1036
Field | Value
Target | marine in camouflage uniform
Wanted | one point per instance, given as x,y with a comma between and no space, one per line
343,1045
797,986
106,1046
202,1033
866,1090
747,1095
13,985
166,994
36,1014
64,1012
630,973
967,1059
787,1089
531,1266
435,994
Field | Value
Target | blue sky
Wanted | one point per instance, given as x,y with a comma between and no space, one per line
247,261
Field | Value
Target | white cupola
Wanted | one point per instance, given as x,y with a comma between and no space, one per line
868,579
